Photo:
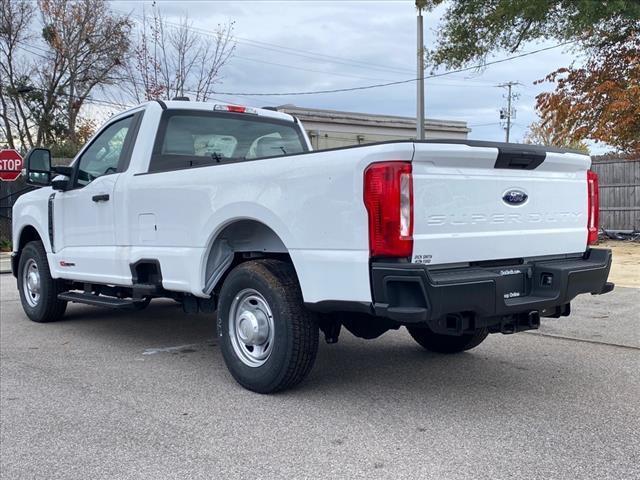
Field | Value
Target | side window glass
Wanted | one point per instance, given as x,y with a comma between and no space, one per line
103,155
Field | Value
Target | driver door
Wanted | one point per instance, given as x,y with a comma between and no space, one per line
84,216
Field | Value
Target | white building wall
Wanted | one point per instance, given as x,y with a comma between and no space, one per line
332,129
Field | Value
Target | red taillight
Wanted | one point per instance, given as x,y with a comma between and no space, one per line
388,196
593,207
236,108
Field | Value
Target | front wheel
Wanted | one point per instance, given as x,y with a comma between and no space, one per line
38,291
438,343
269,340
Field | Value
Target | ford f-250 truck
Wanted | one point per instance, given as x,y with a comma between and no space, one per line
226,208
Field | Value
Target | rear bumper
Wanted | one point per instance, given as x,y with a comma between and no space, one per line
484,296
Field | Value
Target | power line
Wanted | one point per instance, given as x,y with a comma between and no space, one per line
465,83
209,34
331,58
387,84
320,58
484,124
399,82
88,99
283,49
107,102
306,54
192,92
307,69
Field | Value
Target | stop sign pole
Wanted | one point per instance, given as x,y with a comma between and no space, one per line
11,165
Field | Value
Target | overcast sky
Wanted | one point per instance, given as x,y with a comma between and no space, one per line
317,45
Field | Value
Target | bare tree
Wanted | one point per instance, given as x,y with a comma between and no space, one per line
15,19
45,80
550,132
172,59
88,46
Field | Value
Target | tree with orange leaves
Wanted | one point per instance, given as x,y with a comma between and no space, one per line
599,101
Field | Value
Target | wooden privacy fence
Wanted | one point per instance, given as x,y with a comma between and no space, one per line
619,192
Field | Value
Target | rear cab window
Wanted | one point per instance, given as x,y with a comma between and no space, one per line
193,138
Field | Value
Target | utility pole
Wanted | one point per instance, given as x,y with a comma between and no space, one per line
420,78
510,112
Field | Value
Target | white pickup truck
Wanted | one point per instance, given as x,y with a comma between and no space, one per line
226,208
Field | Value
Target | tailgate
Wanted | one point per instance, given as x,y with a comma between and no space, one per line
477,201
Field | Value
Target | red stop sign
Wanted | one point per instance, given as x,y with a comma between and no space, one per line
11,164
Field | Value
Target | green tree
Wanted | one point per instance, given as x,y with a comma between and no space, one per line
597,100
472,29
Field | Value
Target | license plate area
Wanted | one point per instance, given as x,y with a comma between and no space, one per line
512,282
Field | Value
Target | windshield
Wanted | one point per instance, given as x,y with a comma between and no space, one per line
196,138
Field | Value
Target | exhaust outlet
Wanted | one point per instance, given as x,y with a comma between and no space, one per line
519,323
533,318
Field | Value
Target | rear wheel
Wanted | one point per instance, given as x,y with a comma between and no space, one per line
435,342
269,340
38,291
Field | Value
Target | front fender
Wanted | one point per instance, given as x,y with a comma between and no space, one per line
32,210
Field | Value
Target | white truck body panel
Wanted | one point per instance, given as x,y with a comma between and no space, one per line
314,204
460,216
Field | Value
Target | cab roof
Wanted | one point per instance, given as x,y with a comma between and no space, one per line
220,107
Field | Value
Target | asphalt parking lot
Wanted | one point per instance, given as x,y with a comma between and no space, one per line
106,394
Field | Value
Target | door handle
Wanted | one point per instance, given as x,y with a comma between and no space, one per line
101,198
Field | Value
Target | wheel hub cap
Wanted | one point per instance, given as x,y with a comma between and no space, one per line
31,284
251,327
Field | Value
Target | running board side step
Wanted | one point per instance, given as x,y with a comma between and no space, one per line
96,300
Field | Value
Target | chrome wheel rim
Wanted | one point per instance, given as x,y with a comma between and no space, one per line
31,284
251,327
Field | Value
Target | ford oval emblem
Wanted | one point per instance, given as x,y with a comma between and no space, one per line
514,197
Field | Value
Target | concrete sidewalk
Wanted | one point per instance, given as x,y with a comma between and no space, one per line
5,262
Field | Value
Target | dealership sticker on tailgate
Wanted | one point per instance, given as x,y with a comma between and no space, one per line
513,282
422,259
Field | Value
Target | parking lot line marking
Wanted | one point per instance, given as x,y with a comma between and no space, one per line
581,340
210,342
153,351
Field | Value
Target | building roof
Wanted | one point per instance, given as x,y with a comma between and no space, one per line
369,119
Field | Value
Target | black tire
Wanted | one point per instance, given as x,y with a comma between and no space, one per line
294,342
47,307
447,343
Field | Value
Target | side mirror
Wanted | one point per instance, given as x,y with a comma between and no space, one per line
62,180
38,169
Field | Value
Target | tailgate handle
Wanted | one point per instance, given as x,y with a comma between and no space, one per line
519,158
101,198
